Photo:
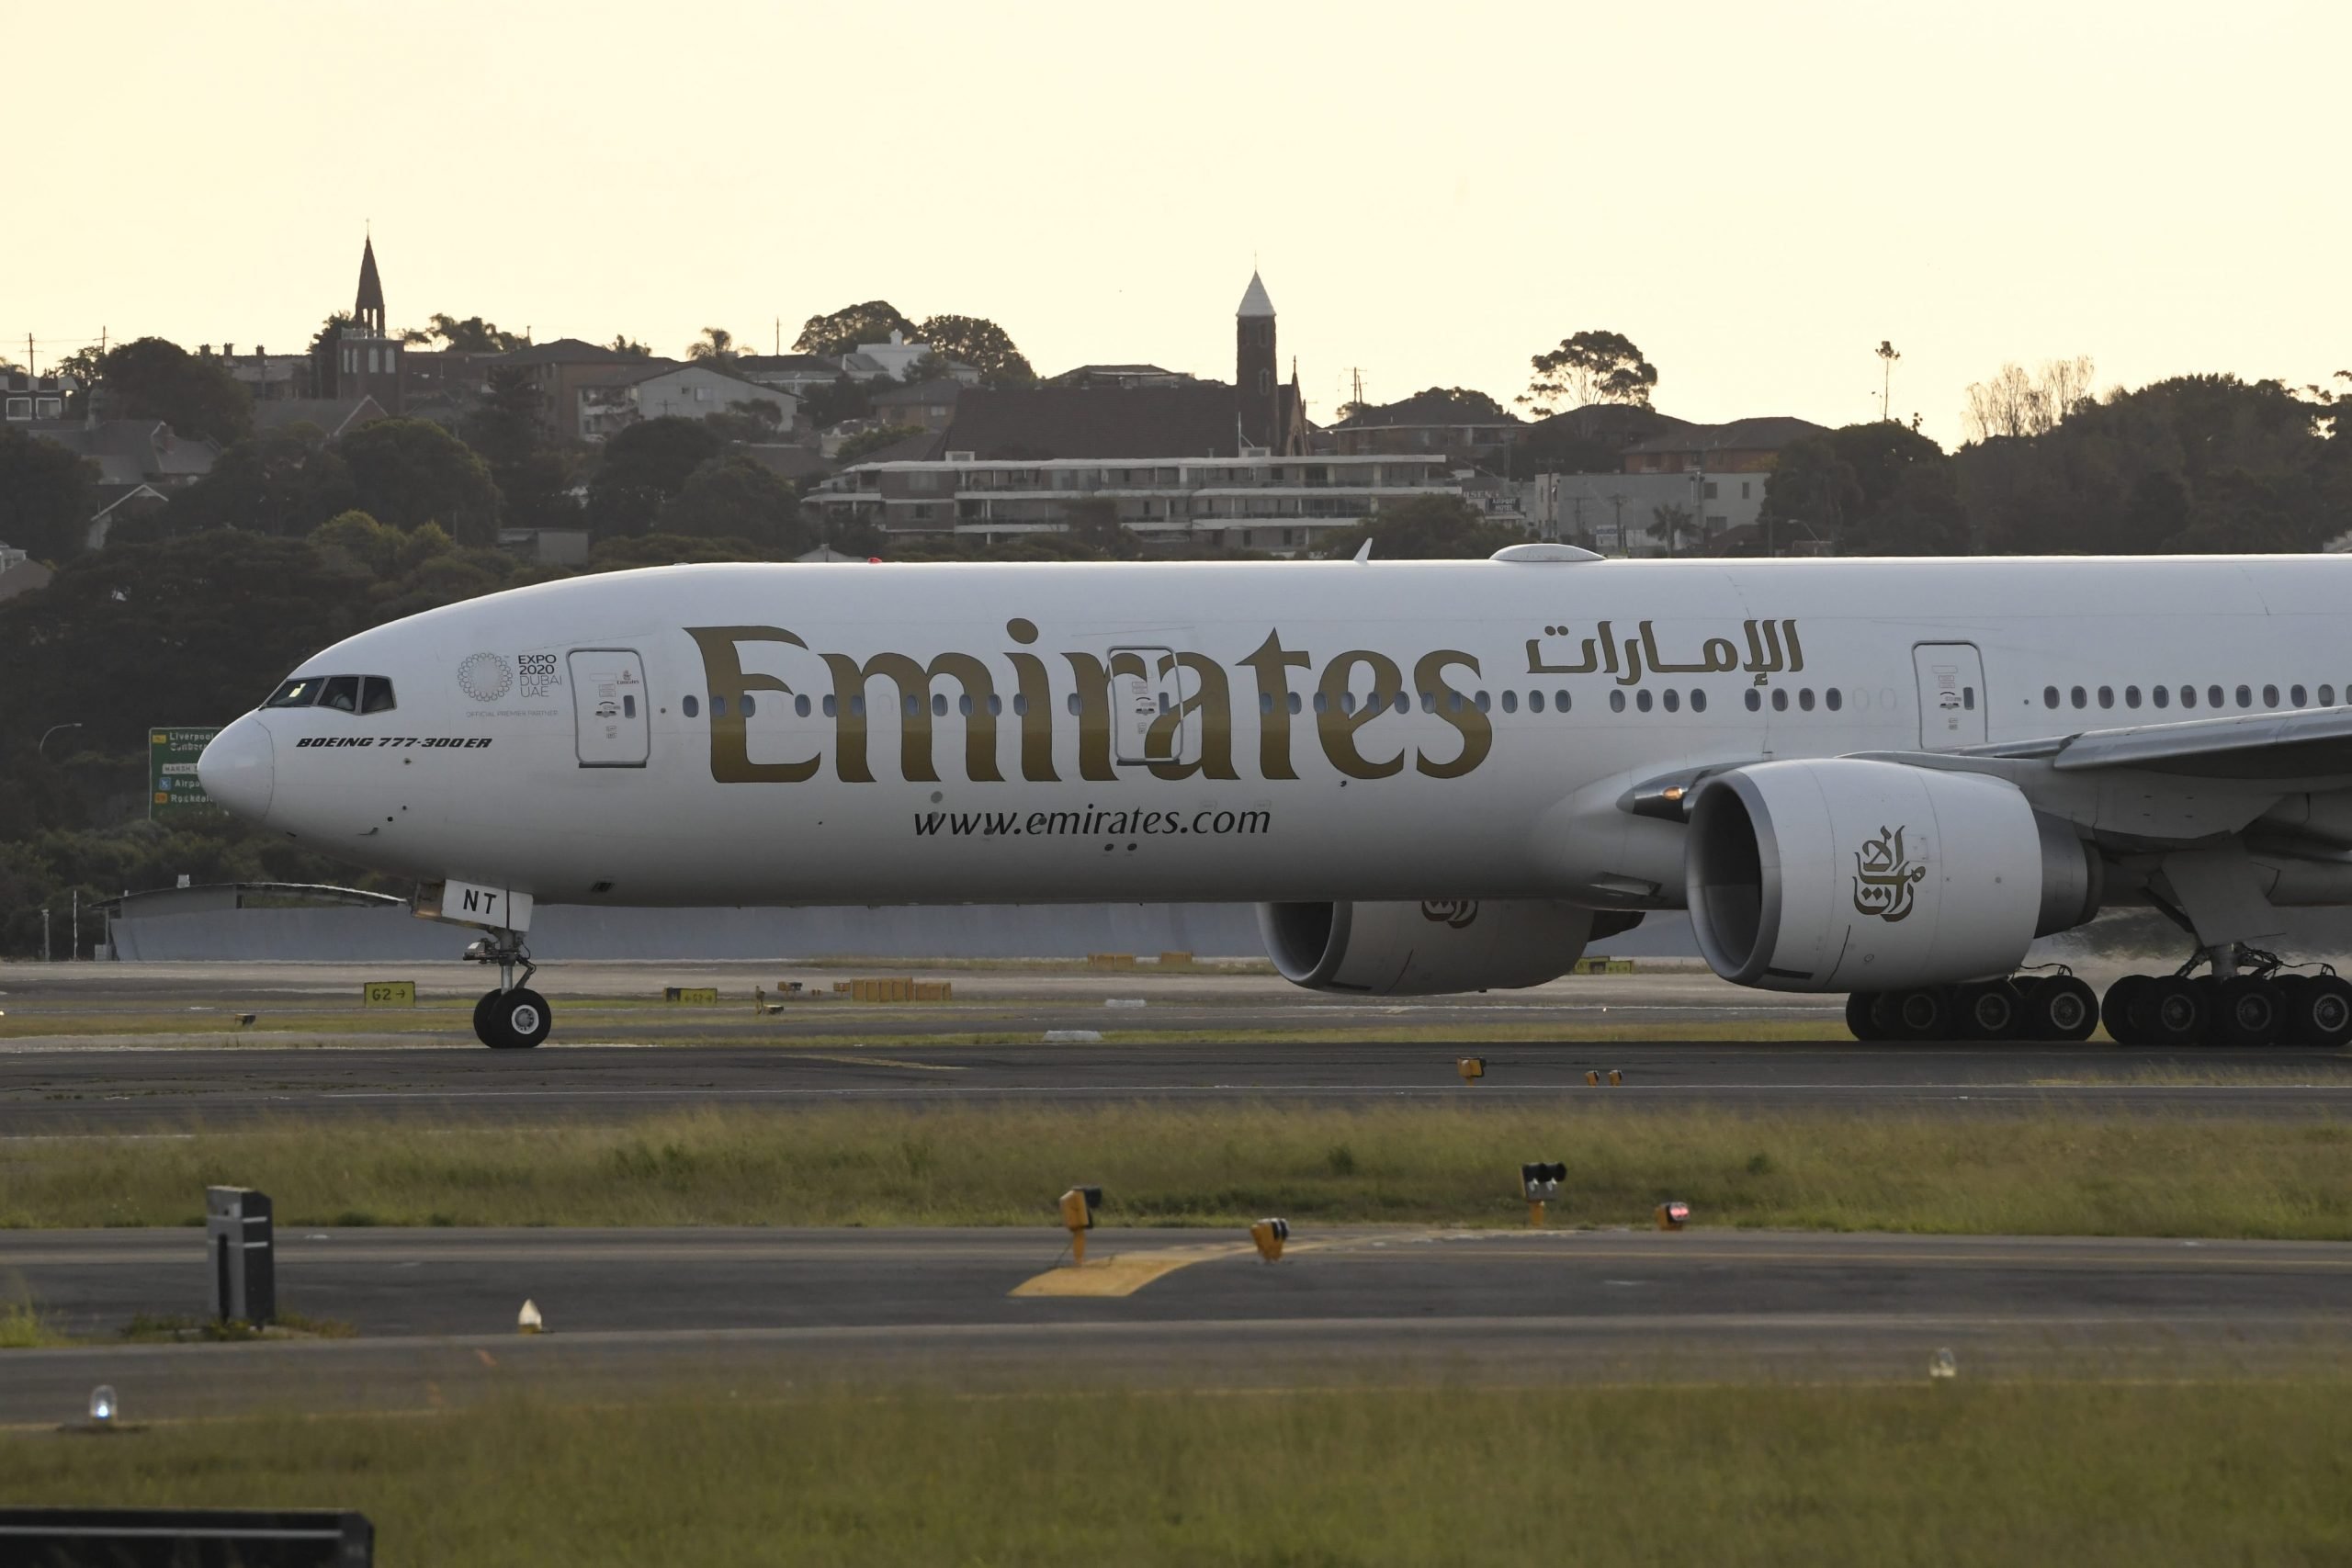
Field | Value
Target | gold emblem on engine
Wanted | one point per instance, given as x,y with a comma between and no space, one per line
1455,912
1884,877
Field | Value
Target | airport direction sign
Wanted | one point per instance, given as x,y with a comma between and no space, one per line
173,788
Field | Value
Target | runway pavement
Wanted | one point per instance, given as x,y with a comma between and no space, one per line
757,1311
118,1089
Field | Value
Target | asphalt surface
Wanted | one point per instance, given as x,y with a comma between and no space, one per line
759,1309
95,1090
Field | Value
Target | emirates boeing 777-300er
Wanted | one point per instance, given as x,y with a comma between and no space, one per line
1878,777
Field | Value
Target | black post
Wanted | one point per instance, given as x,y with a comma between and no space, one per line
237,1222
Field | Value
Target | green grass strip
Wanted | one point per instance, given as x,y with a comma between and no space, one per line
1946,1476
2048,1173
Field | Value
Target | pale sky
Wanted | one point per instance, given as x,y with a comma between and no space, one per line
1756,194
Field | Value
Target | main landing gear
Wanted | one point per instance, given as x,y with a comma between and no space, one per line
514,1017
2260,1005
2023,1007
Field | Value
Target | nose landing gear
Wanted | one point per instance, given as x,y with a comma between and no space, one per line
514,1017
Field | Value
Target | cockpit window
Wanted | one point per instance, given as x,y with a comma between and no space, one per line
346,693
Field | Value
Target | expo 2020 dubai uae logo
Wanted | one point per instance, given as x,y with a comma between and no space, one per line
485,677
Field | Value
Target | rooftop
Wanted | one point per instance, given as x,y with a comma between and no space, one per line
1194,419
1424,409
1767,433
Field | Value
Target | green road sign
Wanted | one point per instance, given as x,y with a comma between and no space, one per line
172,788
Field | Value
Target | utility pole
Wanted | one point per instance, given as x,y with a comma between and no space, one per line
29,365
44,936
74,950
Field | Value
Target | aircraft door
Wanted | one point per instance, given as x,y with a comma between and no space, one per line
1951,694
1149,689
608,704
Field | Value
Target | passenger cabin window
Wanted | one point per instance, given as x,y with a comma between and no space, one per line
691,705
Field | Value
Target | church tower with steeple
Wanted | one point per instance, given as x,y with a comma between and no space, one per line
369,311
364,359
1257,376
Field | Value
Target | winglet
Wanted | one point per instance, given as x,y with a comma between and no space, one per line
1364,553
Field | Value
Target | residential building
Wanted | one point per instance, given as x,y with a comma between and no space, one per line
1430,422
140,463
890,361
270,377
1110,416
1120,377
927,405
1744,446
19,573
25,396
658,389
798,374
1617,514
332,415
545,547
1281,505
557,371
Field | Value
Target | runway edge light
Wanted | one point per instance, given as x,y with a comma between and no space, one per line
1078,1206
1673,1215
528,1319
1270,1234
1541,1180
1943,1365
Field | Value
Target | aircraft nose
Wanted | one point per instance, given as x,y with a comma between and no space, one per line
238,770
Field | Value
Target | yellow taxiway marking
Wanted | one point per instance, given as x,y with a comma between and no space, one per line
1124,1273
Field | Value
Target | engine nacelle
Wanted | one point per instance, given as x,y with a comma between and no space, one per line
1841,874
1420,950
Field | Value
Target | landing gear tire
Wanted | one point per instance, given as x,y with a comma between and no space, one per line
1992,1011
2059,1008
2115,1010
1858,1016
2172,1012
513,1021
2318,1012
2250,1012
1924,1014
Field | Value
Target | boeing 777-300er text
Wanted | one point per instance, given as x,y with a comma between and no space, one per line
1878,777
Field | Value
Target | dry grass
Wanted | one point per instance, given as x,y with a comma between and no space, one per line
22,1327
2052,1173
1953,1475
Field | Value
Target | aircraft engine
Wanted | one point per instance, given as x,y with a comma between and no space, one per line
1419,950
1841,874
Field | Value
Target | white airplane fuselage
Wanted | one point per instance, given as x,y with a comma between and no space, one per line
1008,733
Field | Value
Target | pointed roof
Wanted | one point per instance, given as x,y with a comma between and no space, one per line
1255,303
371,287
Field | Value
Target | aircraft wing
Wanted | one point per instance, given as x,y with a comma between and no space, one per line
2305,744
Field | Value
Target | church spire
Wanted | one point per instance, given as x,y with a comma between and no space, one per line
369,310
